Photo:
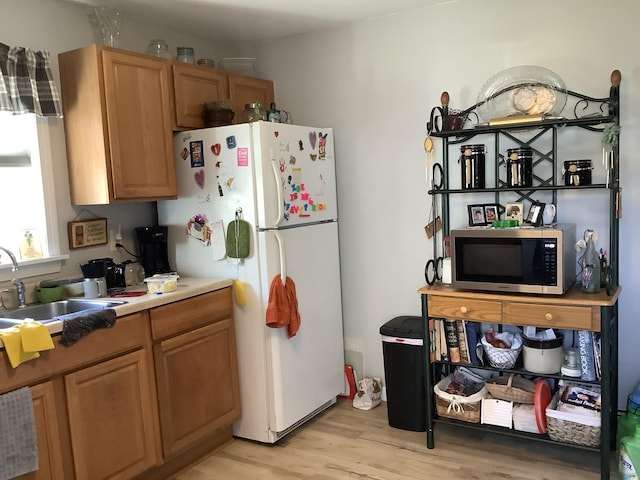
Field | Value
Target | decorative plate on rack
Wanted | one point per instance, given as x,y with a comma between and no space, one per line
523,90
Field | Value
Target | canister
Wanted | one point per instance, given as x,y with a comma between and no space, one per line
520,167
543,356
577,172
472,166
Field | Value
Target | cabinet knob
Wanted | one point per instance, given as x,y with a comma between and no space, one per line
464,309
548,316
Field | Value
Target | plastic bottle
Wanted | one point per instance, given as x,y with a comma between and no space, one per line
629,459
590,269
631,419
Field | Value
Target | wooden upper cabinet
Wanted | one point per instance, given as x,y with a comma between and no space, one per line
243,90
193,86
118,125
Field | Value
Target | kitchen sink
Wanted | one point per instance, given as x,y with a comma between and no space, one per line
7,323
46,312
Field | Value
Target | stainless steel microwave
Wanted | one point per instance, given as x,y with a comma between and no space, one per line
522,260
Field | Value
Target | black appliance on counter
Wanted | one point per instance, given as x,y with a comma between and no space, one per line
153,249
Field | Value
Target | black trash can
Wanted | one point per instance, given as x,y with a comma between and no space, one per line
404,364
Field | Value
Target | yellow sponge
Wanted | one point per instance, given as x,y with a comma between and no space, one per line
239,293
35,336
13,346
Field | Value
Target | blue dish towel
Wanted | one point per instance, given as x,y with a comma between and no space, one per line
18,443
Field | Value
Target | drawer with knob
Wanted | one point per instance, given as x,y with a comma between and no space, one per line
465,308
553,316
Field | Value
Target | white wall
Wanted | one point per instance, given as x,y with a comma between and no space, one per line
375,82
59,26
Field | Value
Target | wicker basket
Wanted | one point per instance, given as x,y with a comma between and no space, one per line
513,388
570,428
502,357
457,406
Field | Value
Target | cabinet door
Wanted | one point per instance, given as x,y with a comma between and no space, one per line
137,99
243,90
198,390
49,445
193,86
111,418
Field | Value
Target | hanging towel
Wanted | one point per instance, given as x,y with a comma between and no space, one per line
282,309
18,444
82,324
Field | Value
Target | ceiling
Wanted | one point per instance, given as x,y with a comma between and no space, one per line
250,21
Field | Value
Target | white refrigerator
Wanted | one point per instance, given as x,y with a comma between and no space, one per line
281,179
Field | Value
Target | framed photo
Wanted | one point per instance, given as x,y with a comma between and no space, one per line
534,217
476,215
514,211
492,212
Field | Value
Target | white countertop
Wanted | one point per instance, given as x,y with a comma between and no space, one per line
187,287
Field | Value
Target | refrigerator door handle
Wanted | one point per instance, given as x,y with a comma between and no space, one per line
282,255
280,199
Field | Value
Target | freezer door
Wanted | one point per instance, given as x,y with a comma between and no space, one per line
295,174
306,371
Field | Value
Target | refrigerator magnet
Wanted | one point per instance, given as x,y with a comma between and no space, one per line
231,141
197,153
313,136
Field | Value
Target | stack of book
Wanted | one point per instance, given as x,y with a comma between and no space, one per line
454,340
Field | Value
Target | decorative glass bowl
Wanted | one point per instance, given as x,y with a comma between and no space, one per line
523,90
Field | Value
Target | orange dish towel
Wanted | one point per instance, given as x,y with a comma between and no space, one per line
282,309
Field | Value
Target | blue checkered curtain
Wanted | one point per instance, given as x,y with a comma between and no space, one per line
26,82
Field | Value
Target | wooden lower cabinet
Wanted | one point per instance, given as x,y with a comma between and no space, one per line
111,418
50,451
198,389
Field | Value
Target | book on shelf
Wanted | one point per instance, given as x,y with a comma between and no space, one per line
462,341
453,345
432,340
444,351
597,354
587,361
472,330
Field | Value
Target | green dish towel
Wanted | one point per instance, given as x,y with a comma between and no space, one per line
237,243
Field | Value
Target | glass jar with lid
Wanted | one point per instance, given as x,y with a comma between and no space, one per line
253,112
186,55
158,48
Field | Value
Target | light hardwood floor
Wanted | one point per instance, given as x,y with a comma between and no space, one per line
346,443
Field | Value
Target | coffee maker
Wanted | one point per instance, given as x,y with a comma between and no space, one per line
153,249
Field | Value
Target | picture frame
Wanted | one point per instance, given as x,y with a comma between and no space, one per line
514,211
87,233
476,215
534,217
492,212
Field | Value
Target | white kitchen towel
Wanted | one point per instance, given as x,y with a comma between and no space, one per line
18,444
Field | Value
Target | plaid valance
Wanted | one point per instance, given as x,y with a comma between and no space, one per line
26,82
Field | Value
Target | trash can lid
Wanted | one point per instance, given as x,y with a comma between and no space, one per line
405,326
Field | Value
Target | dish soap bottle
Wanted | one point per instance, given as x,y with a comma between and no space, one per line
629,460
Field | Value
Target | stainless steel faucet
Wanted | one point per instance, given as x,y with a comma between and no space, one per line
16,281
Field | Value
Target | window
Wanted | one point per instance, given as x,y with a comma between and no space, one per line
28,214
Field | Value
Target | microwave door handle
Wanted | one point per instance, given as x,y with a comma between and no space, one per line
279,197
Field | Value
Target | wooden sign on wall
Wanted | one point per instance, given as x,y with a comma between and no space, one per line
88,233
